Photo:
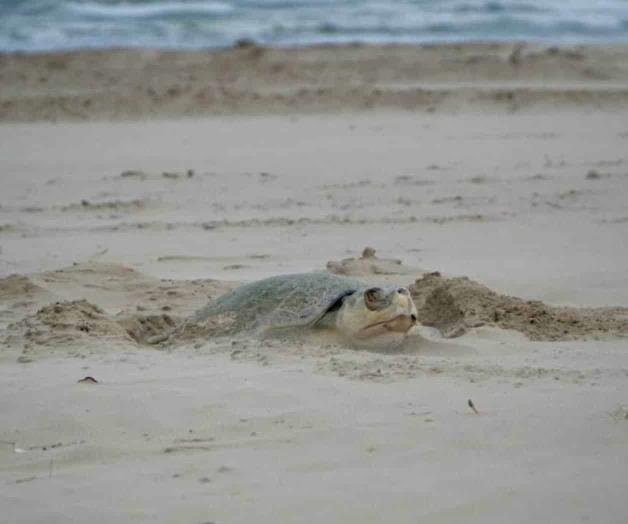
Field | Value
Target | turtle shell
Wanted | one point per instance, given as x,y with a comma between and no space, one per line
279,302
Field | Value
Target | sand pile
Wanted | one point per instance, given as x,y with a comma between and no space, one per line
454,305
370,264
80,324
65,324
19,296
15,286
92,306
123,291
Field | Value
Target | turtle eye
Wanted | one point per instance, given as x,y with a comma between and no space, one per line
402,291
373,298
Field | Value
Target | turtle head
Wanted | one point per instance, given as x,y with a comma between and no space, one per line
377,317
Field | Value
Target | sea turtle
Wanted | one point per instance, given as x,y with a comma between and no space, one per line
363,315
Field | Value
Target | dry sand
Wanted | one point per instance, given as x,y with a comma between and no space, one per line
508,176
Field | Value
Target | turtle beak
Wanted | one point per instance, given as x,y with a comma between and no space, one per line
398,324
402,323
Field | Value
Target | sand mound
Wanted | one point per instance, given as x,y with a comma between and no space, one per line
20,296
64,323
120,289
370,264
107,305
454,305
79,324
15,286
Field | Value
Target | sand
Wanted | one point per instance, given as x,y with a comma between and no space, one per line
123,84
492,180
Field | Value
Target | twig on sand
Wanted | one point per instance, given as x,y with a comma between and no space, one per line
472,406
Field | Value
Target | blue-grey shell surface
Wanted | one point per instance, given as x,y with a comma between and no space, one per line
279,302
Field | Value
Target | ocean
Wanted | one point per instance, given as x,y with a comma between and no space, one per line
35,25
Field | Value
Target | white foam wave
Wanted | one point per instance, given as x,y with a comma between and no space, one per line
128,10
66,24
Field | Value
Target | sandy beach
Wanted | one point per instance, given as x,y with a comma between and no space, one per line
491,179
252,79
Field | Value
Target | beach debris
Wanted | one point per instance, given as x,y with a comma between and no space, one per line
243,43
234,266
620,413
594,174
13,445
266,177
472,406
184,448
515,55
88,380
133,173
26,479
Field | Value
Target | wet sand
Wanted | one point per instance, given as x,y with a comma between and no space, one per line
250,79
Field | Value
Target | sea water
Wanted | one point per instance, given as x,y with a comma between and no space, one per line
32,25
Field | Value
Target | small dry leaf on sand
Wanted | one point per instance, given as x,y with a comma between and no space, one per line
88,380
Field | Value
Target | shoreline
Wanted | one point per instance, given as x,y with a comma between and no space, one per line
123,84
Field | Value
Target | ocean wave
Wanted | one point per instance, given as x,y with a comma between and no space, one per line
146,10
34,25
492,7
